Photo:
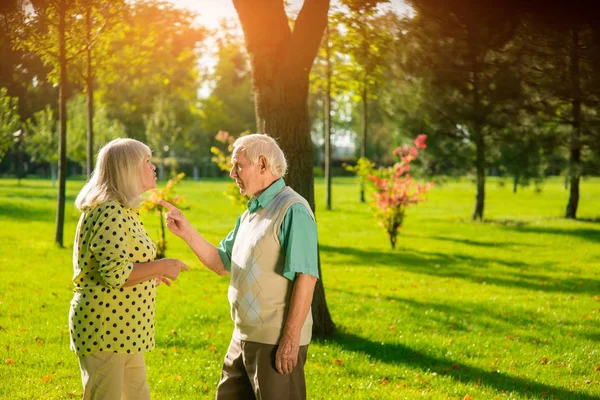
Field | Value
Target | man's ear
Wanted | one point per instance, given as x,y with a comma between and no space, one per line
262,163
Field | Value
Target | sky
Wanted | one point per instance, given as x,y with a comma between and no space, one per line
211,12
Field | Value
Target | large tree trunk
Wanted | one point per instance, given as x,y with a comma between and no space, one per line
90,95
62,116
575,141
281,61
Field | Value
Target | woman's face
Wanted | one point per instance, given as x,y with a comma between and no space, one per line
148,175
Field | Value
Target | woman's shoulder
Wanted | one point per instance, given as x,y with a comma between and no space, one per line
107,207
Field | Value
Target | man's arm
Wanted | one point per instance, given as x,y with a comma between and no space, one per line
302,294
205,251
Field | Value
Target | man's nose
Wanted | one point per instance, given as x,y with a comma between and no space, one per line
232,173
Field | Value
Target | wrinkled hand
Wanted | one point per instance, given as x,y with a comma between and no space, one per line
287,354
170,269
175,220
160,279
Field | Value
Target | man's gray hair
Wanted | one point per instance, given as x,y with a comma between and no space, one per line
258,144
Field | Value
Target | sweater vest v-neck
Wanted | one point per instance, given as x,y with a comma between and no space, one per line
259,294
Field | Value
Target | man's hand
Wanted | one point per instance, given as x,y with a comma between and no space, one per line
287,354
176,222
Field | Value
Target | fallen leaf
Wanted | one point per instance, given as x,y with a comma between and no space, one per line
467,397
174,332
9,361
338,362
46,378
178,378
544,360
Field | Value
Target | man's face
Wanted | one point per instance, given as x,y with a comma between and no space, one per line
246,176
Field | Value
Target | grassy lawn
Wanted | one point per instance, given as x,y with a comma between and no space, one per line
505,309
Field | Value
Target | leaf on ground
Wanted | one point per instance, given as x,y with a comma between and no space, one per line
544,360
173,332
178,378
467,397
9,361
46,378
338,362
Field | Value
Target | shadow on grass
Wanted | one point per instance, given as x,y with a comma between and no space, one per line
590,220
504,222
469,268
585,234
398,354
21,212
479,243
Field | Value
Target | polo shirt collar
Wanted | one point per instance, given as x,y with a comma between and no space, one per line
265,197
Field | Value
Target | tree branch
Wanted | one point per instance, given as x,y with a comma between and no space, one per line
308,32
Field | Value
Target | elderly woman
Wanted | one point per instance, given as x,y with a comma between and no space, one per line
111,319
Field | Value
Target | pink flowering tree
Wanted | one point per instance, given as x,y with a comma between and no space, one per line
394,187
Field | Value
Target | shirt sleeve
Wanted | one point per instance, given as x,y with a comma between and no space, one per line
298,238
109,251
226,246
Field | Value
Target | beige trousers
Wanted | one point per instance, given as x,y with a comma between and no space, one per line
114,376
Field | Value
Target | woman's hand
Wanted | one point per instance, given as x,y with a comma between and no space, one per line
171,267
176,222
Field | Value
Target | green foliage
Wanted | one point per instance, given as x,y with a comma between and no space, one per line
152,204
150,69
9,121
42,137
105,129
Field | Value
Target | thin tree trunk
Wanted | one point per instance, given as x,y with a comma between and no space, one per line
328,123
478,135
363,143
62,116
575,142
515,183
90,95
480,168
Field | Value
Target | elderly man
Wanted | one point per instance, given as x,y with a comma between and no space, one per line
271,256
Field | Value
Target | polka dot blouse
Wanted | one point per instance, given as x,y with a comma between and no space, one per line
104,315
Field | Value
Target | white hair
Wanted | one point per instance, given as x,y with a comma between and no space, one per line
117,175
258,144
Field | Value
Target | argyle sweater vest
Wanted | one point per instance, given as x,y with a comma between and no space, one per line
259,294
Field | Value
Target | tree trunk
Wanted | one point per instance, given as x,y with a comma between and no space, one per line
281,61
515,183
90,95
575,142
478,133
328,123
62,116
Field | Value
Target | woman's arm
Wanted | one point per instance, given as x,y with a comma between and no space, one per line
167,267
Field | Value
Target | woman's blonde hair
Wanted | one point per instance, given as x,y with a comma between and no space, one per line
258,144
117,175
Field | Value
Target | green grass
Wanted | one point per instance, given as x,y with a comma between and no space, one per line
505,309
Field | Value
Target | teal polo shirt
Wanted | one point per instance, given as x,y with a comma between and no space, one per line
297,235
